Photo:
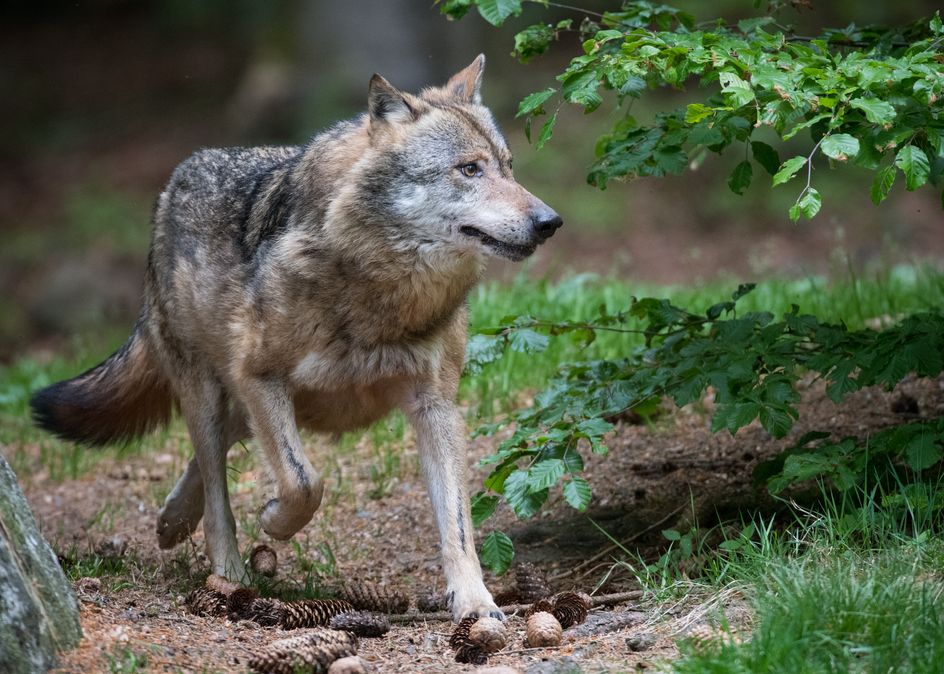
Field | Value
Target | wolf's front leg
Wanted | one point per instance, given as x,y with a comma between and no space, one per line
441,443
272,419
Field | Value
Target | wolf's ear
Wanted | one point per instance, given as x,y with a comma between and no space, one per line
466,83
387,103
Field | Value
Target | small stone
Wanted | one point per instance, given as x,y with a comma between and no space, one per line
88,585
640,642
352,664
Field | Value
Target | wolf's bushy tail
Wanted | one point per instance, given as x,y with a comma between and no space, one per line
116,401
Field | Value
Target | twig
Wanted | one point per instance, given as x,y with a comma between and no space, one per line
602,600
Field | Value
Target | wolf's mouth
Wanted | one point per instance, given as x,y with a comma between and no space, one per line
510,250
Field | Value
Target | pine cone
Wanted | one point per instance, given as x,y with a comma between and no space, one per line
541,605
543,629
430,602
375,597
265,611
489,633
471,653
461,633
239,601
467,650
570,608
531,582
361,623
312,612
221,585
206,602
313,651
263,560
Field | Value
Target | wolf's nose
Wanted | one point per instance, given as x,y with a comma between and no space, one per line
545,223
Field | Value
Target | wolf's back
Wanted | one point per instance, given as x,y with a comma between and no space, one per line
117,400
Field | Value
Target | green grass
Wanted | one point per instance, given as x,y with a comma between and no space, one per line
497,389
855,300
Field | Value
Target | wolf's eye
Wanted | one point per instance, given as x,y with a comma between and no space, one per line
470,170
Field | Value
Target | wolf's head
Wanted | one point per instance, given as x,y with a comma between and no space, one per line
442,170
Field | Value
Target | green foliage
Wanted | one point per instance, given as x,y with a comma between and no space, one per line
752,363
869,96
829,613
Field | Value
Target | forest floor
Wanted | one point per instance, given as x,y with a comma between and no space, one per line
671,474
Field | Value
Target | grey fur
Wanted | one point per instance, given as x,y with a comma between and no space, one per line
317,286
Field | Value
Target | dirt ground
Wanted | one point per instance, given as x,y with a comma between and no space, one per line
668,475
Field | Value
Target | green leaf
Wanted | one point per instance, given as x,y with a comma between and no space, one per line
496,11
547,130
766,156
532,102
789,169
882,184
696,112
810,203
914,163
483,506
740,92
922,451
526,340
936,25
577,493
520,497
671,535
775,421
497,552
545,474
840,146
740,178
876,111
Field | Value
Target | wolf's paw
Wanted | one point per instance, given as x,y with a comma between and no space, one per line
473,604
174,527
282,521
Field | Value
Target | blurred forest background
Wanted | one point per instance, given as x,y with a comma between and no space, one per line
102,98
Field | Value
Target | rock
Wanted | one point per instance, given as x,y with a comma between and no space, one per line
642,641
39,615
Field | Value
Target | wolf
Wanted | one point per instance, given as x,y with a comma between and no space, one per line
318,287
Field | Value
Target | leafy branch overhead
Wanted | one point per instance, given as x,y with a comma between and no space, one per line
869,96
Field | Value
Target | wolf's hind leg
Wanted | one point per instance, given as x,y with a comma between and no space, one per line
182,509
440,435
272,420
203,403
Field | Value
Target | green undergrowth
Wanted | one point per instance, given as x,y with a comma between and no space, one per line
854,588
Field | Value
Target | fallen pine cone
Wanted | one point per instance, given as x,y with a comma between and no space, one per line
467,651
361,623
312,612
544,605
264,611
431,602
375,597
543,629
263,560
571,608
531,582
221,585
206,602
489,633
239,601
313,651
